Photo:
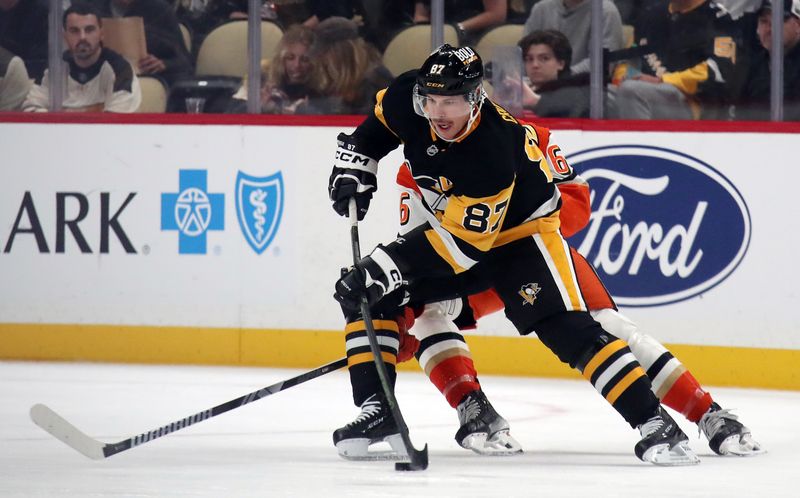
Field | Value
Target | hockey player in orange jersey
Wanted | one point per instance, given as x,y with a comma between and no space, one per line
446,359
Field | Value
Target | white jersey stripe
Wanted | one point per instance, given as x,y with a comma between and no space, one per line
613,370
438,348
357,342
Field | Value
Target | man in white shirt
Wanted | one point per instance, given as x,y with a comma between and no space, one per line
14,81
97,79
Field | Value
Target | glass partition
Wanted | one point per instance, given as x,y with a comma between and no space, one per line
610,59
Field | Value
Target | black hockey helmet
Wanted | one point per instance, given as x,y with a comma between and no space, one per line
450,71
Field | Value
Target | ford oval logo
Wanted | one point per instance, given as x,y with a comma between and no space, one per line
665,226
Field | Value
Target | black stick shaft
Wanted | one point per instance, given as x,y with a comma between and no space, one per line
145,437
419,459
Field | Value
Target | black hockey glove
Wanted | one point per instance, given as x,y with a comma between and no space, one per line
374,276
353,175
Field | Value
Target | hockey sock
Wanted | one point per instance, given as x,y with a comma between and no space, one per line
619,378
360,361
687,397
447,361
672,382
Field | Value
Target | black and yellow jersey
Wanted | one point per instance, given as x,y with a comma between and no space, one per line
488,188
694,49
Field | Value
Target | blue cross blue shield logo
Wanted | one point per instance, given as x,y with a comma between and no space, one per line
192,211
259,205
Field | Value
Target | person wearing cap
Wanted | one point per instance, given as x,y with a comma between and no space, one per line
754,103
350,69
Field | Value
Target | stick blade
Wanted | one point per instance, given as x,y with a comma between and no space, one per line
65,432
419,461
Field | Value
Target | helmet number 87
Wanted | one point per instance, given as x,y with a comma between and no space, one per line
437,68
478,217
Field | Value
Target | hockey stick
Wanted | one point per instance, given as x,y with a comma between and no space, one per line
418,459
70,435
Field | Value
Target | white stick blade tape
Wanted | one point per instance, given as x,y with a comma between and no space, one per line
67,433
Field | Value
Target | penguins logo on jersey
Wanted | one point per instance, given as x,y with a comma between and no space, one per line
432,150
529,292
434,192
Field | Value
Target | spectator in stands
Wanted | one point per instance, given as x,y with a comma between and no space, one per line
472,18
23,32
350,70
238,103
690,67
289,80
549,88
167,56
292,72
14,82
755,99
573,18
98,79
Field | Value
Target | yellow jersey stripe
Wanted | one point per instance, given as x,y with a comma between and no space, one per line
556,253
436,241
600,357
359,358
624,383
549,223
379,110
378,324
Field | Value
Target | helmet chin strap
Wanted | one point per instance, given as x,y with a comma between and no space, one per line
475,109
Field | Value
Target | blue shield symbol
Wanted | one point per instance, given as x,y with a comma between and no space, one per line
259,205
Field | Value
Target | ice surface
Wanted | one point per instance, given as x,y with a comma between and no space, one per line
575,444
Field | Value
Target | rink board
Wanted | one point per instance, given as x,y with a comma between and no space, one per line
521,356
216,244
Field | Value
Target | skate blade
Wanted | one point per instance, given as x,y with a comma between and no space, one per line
500,444
663,455
358,449
744,446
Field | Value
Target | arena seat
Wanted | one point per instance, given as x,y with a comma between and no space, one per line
154,94
186,34
409,47
505,35
224,51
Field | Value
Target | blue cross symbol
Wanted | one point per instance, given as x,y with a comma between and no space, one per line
192,211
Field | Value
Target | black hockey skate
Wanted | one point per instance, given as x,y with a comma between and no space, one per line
663,442
726,435
482,429
375,424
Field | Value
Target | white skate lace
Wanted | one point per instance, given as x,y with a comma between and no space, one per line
712,422
651,426
470,411
368,409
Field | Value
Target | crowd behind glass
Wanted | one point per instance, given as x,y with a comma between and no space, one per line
650,59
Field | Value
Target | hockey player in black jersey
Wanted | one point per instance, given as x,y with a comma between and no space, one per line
493,221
